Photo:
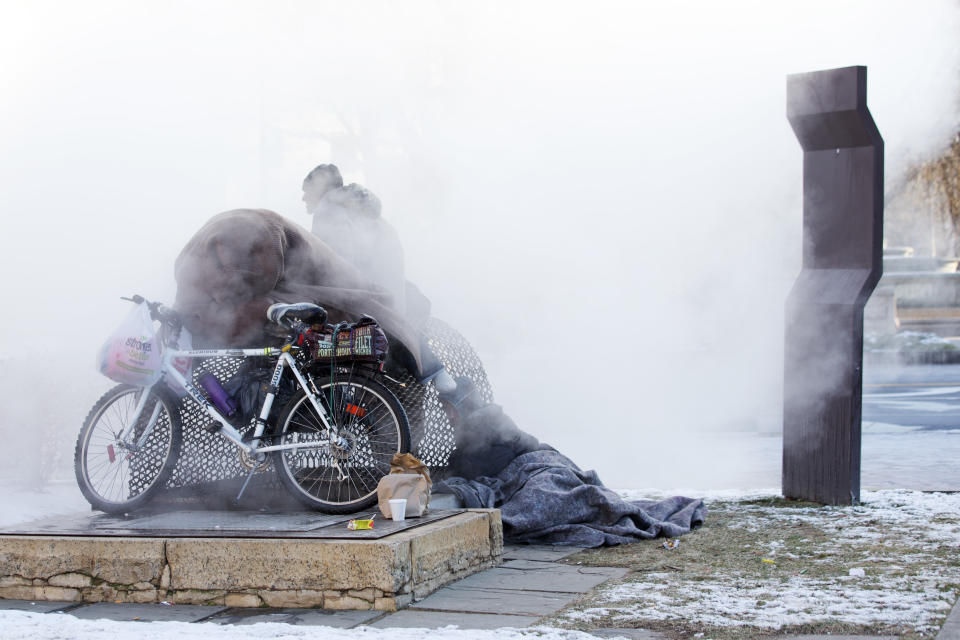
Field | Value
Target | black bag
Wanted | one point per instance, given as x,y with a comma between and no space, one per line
249,385
362,341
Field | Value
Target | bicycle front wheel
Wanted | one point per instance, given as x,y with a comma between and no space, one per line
113,476
341,476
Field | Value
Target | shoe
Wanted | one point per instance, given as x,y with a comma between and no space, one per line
444,383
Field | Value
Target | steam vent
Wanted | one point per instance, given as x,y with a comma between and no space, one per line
842,262
239,559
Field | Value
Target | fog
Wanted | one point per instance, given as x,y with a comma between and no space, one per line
604,199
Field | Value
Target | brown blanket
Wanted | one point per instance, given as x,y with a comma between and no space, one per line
242,261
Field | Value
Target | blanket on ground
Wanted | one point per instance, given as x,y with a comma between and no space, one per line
544,498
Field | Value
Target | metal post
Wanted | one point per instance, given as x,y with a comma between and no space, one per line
842,262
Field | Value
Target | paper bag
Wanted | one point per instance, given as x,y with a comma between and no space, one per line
410,479
411,486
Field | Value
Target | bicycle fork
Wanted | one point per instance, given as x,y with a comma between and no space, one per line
122,439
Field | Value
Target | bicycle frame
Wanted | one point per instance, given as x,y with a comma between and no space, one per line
227,430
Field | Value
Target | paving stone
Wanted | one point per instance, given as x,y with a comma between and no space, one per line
530,603
951,627
631,634
316,617
145,612
541,576
543,553
37,605
411,618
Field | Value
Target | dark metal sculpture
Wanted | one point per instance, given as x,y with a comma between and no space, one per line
842,262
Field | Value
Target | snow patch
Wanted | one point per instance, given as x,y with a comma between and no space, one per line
20,625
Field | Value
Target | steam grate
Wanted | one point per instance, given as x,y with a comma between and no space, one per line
458,356
432,435
208,458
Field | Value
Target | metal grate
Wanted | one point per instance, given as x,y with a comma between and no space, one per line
209,458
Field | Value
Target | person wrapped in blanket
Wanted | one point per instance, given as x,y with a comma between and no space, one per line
349,220
242,261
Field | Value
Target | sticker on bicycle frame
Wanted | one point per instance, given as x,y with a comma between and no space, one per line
211,353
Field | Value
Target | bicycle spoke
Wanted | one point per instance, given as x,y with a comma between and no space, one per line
109,471
347,471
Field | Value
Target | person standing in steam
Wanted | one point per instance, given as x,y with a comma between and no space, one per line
348,219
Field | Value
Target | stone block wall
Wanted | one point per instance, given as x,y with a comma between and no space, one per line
386,574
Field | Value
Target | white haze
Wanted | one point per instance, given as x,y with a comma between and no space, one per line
603,197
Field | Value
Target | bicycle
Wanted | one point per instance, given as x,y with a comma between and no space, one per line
330,444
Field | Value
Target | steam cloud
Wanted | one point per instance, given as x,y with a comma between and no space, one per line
605,200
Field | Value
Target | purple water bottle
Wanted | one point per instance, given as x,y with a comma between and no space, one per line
217,395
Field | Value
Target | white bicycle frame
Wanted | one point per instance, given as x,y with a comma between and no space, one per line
284,361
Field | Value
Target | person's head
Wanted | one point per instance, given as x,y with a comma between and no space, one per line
318,182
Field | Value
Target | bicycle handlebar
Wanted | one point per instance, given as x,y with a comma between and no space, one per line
158,311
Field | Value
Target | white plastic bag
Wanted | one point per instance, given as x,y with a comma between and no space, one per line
132,354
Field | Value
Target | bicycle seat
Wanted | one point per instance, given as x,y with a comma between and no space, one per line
307,312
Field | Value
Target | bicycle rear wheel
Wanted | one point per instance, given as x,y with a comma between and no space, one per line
113,478
341,477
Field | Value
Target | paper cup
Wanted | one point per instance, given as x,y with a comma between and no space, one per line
398,508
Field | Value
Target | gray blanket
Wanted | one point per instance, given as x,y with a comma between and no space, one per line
544,498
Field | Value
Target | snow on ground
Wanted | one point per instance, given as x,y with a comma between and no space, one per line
912,525
773,604
17,625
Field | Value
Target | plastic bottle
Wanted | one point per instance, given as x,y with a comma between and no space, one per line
223,402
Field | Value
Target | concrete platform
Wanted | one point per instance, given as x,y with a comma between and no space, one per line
231,559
